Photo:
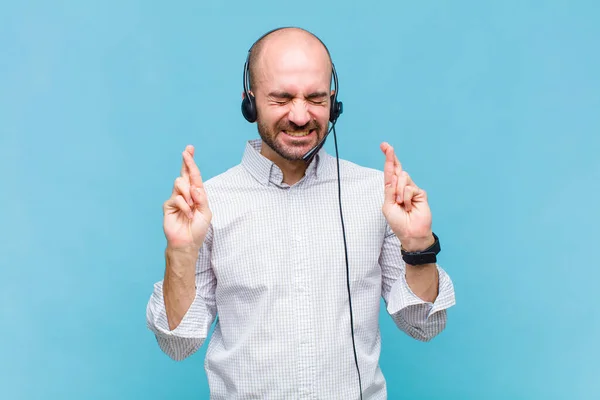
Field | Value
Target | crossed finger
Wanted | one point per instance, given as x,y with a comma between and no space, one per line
194,173
404,181
182,182
405,187
184,169
189,177
389,168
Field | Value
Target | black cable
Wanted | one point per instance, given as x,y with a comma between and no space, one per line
346,253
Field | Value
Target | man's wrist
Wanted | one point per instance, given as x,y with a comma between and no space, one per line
417,244
181,262
191,250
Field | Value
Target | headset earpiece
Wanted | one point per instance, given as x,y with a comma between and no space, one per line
336,109
249,108
248,102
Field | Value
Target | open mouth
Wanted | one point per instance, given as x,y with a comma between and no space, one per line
300,133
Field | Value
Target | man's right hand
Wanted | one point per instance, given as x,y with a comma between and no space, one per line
186,213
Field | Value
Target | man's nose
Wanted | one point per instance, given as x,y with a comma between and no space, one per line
299,113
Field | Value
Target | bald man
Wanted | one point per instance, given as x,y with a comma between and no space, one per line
295,293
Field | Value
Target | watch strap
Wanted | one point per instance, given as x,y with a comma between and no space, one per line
427,256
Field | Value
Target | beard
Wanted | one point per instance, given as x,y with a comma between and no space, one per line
291,153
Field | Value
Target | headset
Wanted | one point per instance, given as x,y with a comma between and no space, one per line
250,113
249,105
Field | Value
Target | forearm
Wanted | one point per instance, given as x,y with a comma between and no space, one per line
179,286
182,306
423,280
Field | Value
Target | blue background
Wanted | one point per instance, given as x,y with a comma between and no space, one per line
493,108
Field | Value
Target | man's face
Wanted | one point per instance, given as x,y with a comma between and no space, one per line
293,98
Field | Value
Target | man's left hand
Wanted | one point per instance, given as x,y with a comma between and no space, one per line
405,205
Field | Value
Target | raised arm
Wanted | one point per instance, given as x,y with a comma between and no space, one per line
417,296
182,306
186,221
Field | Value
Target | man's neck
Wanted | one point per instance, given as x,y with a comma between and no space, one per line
292,171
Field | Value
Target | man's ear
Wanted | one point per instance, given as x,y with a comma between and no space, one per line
244,94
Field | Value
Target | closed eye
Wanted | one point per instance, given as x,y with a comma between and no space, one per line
317,97
282,98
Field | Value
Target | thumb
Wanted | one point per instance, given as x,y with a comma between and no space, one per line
390,191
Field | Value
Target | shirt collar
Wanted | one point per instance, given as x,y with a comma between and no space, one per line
266,171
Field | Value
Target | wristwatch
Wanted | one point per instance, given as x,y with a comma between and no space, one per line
427,256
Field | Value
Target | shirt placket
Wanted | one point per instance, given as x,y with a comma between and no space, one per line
302,290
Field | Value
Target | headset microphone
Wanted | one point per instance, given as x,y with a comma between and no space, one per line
309,154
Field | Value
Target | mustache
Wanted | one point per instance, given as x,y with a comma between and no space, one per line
289,126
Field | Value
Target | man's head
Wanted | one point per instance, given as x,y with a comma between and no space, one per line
290,78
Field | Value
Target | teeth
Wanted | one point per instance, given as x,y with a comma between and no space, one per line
298,133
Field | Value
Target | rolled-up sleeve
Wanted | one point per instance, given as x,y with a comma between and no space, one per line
193,329
420,319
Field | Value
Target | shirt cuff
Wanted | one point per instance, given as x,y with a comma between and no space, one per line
191,326
401,295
